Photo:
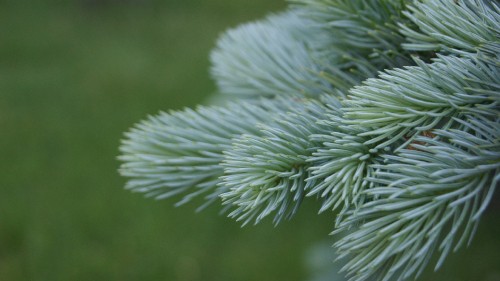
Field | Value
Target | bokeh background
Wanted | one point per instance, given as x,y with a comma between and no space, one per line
75,75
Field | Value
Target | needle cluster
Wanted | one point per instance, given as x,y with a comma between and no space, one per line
386,112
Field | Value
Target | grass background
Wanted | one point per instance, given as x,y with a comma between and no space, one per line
74,75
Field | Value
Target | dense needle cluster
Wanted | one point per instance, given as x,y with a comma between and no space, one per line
387,112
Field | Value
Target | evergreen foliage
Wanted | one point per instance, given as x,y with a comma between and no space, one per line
181,152
269,172
388,112
271,57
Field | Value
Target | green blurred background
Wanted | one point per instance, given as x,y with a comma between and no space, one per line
74,75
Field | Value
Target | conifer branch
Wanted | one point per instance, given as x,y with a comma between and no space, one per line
267,173
271,57
180,152
459,27
339,169
386,111
363,39
430,197
405,102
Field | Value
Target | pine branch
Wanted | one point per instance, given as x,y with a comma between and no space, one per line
271,57
363,39
403,103
267,173
339,168
459,27
427,198
360,25
410,159
180,152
